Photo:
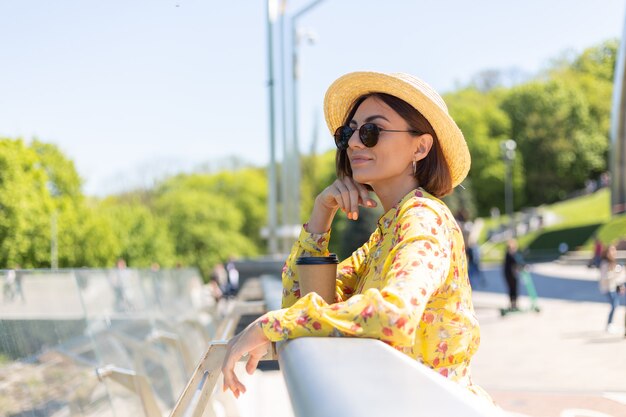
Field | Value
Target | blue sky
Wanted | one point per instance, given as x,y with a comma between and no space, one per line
133,89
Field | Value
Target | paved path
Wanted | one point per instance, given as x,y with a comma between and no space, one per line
556,363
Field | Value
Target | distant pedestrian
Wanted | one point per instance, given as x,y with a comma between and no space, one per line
611,282
157,281
118,280
624,317
220,277
8,289
19,290
512,263
233,276
597,254
476,278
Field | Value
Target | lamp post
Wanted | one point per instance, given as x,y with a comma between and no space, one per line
286,186
508,154
272,218
296,37
54,239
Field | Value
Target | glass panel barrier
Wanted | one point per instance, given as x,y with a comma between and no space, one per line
184,310
120,312
119,342
45,366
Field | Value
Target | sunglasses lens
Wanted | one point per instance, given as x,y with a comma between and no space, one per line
342,136
369,134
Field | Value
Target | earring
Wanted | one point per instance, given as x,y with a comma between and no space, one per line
414,168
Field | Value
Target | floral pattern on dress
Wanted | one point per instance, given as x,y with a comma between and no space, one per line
407,286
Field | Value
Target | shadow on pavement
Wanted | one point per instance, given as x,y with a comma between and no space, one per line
547,287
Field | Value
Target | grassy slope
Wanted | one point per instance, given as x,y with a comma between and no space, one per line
578,220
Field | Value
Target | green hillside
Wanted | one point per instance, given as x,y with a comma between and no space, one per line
574,222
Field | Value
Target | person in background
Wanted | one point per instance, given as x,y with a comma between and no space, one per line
512,263
476,278
233,276
8,289
19,277
407,285
611,282
220,277
118,279
597,254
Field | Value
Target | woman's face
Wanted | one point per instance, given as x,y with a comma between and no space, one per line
612,251
389,162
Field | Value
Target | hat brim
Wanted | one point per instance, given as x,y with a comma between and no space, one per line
342,94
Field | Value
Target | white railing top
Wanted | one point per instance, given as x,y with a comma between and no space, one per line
365,377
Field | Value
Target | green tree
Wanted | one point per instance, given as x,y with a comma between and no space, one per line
592,72
141,237
318,172
99,246
558,141
25,207
63,179
68,212
485,125
247,189
206,228
85,237
598,61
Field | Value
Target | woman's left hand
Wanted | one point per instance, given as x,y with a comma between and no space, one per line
251,341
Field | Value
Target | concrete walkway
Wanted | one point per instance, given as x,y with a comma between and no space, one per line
556,363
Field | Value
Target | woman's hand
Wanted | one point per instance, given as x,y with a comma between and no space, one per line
250,341
344,194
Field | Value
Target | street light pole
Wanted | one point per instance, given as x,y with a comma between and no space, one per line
54,239
286,186
508,154
294,103
272,242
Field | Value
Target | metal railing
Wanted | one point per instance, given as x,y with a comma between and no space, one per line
317,372
195,397
143,352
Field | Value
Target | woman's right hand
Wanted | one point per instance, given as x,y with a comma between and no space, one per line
343,194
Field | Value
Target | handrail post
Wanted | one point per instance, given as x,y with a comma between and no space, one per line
133,382
174,341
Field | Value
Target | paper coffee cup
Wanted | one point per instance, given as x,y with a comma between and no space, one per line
318,274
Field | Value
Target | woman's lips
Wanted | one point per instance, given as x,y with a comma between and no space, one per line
356,160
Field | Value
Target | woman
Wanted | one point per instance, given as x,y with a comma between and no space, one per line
611,282
408,285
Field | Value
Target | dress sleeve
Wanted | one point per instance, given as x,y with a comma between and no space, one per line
314,244
414,267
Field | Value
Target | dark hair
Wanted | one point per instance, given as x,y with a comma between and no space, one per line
433,173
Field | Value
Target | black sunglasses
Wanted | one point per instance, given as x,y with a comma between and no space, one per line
368,133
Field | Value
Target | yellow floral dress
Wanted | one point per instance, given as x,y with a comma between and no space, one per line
407,286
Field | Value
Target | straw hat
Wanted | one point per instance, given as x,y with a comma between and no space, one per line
344,91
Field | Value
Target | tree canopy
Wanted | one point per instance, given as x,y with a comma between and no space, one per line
560,121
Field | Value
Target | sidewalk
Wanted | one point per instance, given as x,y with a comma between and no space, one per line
544,364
